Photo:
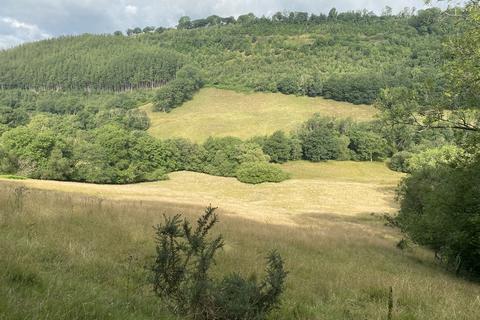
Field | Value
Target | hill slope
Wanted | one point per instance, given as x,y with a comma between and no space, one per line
340,265
215,112
349,57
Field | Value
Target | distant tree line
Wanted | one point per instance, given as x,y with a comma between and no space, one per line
420,19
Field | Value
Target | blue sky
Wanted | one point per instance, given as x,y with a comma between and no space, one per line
31,20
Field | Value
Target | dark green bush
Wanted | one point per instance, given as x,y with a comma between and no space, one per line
320,140
260,172
367,145
399,161
281,148
440,209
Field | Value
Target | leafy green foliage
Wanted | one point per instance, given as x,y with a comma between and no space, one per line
426,21
260,172
439,209
439,201
400,161
225,155
435,157
181,275
366,144
456,104
281,148
320,140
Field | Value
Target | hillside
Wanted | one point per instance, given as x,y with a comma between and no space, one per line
219,113
347,57
341,260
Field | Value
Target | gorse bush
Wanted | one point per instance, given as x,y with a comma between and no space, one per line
182,279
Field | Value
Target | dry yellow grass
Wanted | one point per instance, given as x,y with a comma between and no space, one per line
333,188
68,254
216,112
345,171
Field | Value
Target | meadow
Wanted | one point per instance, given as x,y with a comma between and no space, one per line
219,113
340,188
82,256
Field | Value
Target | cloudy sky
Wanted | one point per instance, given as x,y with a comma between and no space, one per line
30,20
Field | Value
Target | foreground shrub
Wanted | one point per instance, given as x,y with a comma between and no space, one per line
181,275
260,172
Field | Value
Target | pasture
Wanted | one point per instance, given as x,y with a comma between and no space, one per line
219,113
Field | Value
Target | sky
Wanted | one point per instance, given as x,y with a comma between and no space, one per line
31,20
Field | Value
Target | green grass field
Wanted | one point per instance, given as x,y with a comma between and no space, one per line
216,112
82,255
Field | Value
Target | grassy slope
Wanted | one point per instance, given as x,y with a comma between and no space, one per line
216,112
81,257
341,188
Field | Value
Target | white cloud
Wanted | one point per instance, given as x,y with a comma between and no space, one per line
14,32
131,10
31,30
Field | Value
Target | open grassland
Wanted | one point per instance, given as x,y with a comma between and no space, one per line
216,112
72,255
339,188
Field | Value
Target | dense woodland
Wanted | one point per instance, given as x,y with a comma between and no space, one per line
346,56
420,69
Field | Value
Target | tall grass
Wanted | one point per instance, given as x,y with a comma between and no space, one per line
77,256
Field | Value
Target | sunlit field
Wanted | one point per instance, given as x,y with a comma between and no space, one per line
82,255
216,112
340,188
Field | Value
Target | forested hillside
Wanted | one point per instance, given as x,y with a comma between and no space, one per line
343,56
88,62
